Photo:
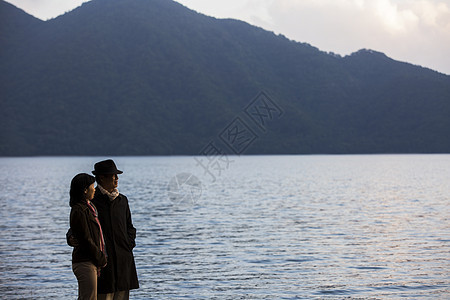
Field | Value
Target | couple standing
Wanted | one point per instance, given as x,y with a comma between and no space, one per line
102,234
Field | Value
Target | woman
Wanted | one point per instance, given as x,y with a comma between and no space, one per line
89,254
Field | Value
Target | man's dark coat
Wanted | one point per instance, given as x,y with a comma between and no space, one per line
119,233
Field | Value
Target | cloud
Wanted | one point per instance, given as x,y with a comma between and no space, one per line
394,19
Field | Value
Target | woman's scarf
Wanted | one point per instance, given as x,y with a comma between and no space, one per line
94,211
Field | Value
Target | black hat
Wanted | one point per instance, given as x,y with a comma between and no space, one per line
106,167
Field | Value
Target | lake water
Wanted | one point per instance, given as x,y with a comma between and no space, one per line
264,227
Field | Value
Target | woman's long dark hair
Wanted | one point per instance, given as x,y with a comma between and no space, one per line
77,187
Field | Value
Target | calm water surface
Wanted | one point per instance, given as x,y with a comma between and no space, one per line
268,227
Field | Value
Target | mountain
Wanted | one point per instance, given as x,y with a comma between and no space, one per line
151,77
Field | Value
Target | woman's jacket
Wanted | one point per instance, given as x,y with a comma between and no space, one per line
87,231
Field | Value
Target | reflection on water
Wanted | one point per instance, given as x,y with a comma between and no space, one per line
270,227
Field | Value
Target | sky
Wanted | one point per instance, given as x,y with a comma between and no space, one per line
414,31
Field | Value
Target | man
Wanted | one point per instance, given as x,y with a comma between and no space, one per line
119,276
